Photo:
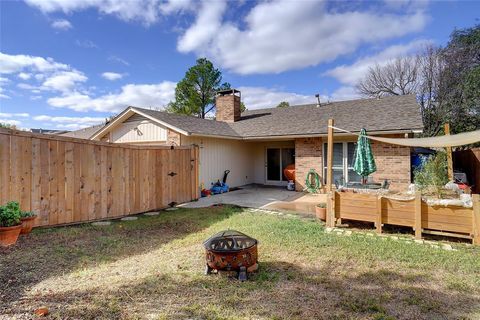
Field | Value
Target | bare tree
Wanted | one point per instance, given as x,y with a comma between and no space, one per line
430,71
398,77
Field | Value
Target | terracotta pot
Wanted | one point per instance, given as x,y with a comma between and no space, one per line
321,213
9,235
27,224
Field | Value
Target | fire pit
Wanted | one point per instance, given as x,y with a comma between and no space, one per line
231,250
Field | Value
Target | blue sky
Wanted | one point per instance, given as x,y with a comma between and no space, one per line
67,64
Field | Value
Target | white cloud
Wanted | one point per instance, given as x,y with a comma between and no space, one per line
260,97
173,6
145,11
64,81
284,35
112,76
24,76
68,123
80,120
85,44
207,24
351,74
14,115
344,93
11,122
18,63
61,24
141,95
114,58
34,98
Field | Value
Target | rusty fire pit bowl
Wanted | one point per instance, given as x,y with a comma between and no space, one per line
231,250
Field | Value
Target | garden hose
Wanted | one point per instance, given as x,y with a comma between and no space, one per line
310,186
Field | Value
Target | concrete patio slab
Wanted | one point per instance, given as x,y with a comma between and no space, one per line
263,197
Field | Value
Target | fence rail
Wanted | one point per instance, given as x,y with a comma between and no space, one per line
66,180
441,220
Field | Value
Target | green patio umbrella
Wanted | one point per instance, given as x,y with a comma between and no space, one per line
364,163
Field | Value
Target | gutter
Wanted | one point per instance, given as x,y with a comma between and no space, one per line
321,135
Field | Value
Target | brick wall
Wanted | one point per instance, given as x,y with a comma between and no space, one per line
308,155
393,162
228,108
173,138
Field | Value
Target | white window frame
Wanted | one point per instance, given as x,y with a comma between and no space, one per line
345,167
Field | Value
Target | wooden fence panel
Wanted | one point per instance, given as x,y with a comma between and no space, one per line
66,180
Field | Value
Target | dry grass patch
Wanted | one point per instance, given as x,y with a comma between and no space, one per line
152,268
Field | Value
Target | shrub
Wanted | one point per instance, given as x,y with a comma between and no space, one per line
432,176
27,214
322,205
10,214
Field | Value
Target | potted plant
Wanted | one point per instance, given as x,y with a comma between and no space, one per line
10,224
321,211
28,219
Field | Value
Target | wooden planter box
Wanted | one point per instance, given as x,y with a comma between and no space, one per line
450,220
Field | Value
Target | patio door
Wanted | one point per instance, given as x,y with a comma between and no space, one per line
278,159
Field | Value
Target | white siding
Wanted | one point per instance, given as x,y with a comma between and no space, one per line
139,131
218,155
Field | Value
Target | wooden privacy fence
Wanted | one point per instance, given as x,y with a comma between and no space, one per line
440,220
66,180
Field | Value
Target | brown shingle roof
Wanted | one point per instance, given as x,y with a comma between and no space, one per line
396,113
84,133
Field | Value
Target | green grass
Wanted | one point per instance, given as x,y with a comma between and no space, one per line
153,268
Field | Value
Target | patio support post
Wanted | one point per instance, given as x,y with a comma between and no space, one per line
418,215
331,205
449,155
378,223
330,154
476,219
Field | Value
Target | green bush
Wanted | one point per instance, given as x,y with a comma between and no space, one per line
10,214
27,214
432,176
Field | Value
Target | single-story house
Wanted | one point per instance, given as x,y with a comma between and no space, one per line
257,144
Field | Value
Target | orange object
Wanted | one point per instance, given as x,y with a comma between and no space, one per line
41,312
289,172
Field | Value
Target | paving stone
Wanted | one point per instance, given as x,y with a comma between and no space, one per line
434,246
129,218
418,241
447,247
151,213
394,238
348,233
370,234
171,209
101,223
328,229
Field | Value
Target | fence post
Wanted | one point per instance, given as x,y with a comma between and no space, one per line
476,219
378,223
418,215
330,208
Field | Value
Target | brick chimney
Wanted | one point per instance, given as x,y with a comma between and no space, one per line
228,105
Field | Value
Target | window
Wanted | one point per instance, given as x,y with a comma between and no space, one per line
343,157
